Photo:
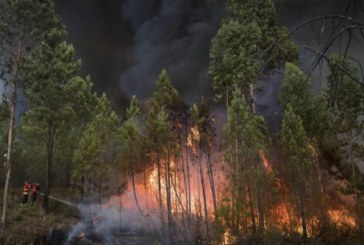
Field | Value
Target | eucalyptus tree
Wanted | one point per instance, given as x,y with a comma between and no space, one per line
245,136
249,43
23,26
299,161
346,101
296,92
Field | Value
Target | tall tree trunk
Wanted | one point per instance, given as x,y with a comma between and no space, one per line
324,222
251,205
188,190
169,201
204,195
7,164
50,143
134,191
303,215
160,194
184,174
212,182
260,200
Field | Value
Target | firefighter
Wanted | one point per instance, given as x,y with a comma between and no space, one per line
34,192
26,190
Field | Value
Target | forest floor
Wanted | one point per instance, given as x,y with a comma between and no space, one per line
28,224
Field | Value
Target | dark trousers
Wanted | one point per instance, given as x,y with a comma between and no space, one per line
33,198
25,198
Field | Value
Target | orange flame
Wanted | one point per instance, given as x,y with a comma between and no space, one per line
265,161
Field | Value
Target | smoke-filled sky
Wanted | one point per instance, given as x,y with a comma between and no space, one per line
124,44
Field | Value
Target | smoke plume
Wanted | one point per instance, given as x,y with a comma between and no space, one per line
174,35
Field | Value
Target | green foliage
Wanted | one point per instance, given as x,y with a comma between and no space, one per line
234,60
23,25
313,110
346,101
95,154
132,153
249,43
276,46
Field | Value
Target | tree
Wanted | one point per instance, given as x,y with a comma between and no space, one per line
298,159
296,92
96,153
53,90
245,136
239,54
166,108
23,25
346,101
132,153
202,122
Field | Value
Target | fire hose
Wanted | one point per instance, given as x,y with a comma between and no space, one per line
60,200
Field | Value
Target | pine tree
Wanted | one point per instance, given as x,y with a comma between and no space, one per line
53,89
23,26
166,109
132,152
95,155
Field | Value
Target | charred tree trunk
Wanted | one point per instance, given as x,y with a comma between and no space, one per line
7,164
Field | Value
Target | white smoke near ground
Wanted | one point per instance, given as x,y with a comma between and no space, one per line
112,224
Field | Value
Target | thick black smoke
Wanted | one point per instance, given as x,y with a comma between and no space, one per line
172,35
124,44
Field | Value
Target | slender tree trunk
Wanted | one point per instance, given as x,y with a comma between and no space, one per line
188,190
7,164
134,191
252,215
50,144
204,196
184,174
260,200
160,194
323,222
212,182
169,202
303,215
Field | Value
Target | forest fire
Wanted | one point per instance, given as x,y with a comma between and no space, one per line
342,218
266,163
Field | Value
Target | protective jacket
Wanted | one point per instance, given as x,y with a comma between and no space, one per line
26,188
